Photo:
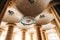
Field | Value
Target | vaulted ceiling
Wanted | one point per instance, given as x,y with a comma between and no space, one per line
34,7
31,7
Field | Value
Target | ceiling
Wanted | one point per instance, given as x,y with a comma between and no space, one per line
25,8
14,17
31,7
34,7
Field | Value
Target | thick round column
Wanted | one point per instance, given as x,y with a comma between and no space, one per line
0,33
31,36
43,32
39,37
1,30
10,31
23,34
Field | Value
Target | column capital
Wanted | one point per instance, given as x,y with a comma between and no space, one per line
31,33
11,24
23,30
35,26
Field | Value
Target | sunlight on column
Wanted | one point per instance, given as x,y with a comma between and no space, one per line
27,36
4,34
33,32
34,36
18,36
52,35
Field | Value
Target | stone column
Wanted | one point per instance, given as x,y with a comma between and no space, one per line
1,30
10,31
31,36
56,19
23,34
0,33
55,13
44,36
38,32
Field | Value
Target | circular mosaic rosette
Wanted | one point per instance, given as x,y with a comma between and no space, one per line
27,20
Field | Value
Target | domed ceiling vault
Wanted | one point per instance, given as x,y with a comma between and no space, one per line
31,7
34,7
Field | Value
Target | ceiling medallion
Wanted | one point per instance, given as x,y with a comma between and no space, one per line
27,20
42,16
10,12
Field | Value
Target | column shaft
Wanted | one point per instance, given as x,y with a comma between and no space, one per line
10,33
1,30
44,35
38,33
0,33
23,34
31,36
